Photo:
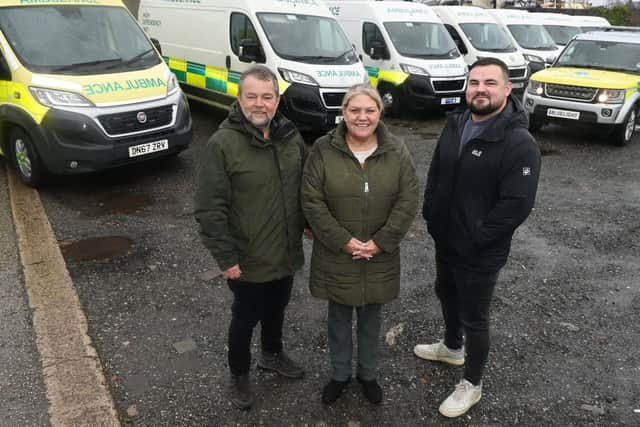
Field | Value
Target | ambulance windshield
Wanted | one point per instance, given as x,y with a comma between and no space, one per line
488,37
562,33
422,40
308,39
76,40
532,36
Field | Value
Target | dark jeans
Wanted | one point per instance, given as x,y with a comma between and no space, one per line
465,297
253,303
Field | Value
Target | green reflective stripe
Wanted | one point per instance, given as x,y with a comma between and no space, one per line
195,68
216,84
180,75
234,77
372,71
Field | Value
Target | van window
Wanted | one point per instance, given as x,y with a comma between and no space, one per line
76,40
370,34
456,39
561,34
241,28
532,36
5,72
488,37
305,38
421,40
603,55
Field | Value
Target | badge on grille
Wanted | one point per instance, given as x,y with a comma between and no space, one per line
142,117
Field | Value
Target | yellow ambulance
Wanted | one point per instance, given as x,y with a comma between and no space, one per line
82,89
594,82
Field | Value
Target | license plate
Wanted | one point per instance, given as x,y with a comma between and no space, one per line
449,101
148,148
517,85
563,114
339,119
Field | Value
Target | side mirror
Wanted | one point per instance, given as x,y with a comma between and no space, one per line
378,50
250,51
156,44
5,72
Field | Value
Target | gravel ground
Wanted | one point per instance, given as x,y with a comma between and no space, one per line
564,319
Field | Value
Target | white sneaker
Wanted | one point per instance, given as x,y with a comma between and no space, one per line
440,352
461,400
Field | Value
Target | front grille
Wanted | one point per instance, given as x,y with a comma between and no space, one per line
448,85
579,93
333,99
127,122
515,73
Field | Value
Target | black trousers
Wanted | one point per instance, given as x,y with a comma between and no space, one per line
253,303
465,297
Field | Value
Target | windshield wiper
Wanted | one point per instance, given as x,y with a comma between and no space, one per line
343,55
131,60
308,58
87,64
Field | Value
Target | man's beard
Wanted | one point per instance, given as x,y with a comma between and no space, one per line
485,110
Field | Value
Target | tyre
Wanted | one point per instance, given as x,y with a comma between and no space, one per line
390,99
25,158
624,132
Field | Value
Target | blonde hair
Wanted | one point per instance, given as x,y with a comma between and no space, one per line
362,89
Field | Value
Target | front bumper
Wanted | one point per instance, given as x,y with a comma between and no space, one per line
590,113
422,91
74,142
312,108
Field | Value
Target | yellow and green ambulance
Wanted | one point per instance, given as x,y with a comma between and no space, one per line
594,82
82,89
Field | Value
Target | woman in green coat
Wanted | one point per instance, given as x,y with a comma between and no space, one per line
359,195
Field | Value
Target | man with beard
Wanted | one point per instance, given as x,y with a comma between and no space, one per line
248,208
481,186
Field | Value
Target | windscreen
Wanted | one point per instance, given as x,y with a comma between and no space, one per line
488,37
561,34
76,40
601,55
308,39
534,37
422,40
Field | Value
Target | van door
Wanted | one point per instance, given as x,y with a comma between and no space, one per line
375,49
243,40
457,39
5,77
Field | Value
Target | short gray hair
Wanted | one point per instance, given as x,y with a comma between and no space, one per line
362,89
260,72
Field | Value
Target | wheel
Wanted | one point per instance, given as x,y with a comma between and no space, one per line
390,99
624,132
534,124
25,158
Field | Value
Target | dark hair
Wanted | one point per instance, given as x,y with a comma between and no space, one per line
492,61
260,72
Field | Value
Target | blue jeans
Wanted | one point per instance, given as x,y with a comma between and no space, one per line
341,344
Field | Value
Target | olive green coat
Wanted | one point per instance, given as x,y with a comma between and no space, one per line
341,199
248,198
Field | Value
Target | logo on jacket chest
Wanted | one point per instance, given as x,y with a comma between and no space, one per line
477,152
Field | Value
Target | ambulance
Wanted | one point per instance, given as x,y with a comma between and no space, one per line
561,27
591,23
82,89
408,53
528,33
478,35
209,43
595,82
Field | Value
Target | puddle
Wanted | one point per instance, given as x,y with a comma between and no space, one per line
123,203
96,248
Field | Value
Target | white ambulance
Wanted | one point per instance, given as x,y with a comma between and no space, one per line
562,27
82,89
527,31
209,43
408,53
591,23
478,35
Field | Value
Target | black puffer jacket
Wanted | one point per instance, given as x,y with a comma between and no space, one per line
473,204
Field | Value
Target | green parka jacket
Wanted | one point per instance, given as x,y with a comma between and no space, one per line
248,197
341,199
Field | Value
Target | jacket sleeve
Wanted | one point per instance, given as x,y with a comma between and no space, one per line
432,183
212,204
314,205
517,193
403,213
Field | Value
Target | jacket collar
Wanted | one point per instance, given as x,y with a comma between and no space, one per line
339,140
281,127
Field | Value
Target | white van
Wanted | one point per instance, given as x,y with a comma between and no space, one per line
209,43
478,35
408,53
592,23
561,27
530,35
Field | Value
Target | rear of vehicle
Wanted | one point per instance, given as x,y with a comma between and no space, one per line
82,89
594,82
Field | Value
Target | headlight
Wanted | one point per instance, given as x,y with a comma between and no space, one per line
56,98
535,88
533,58
296,77
611,96
172,84
412,69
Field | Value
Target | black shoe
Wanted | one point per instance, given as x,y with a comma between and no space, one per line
240,392
332,391
371,390
280,363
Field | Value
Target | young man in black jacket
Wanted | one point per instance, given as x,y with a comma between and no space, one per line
481,186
